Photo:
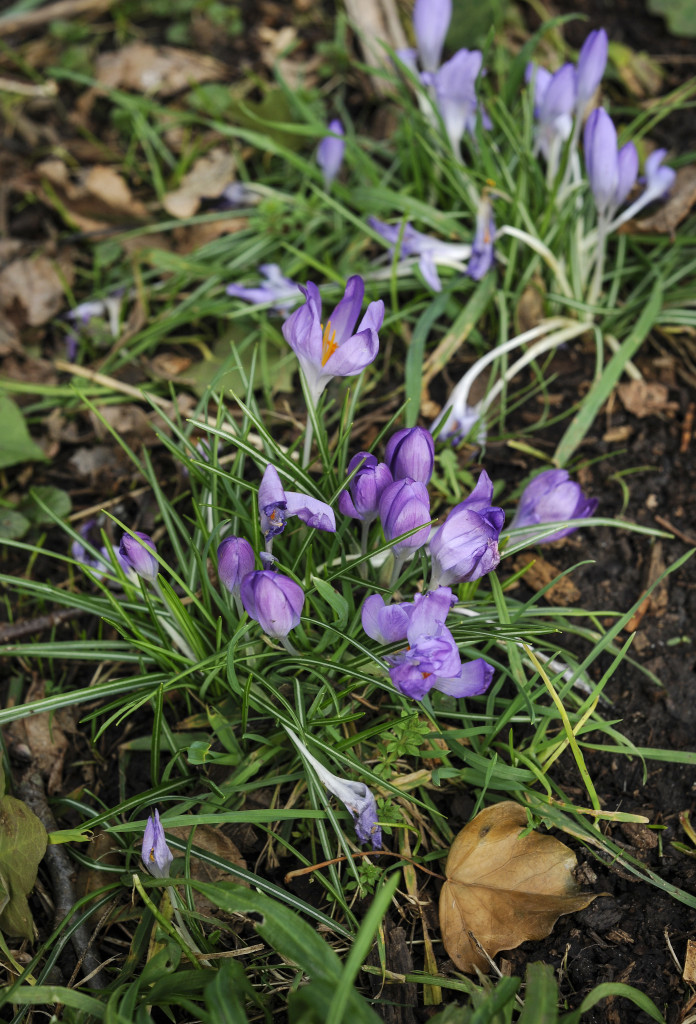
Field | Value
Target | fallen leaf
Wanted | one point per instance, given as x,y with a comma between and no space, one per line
207,179
32,290
91,197
213,841
689,972
540,573
671,213
503,887
645,398
641,75
157,70
195,236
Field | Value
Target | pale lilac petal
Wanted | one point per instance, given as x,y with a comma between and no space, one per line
475,678
345,315
431,20
311,511
385,623
592,60
627,160
428,269
330,152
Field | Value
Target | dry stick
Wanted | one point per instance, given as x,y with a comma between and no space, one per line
354,856
63,9
31,790
15,630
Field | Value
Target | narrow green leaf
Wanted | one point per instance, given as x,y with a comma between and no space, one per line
540,996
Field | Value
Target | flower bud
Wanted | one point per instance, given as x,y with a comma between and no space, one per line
404,505
361,500
273,600
156,855
411,453
465,547
134,555
330,152
552,497
235,559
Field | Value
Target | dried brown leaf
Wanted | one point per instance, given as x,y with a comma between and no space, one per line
502,887
213,841
540,572
207,179
161,71
645,398
32,290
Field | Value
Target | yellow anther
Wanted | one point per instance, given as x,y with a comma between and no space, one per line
328,344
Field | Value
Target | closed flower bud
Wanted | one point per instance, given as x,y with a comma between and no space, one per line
404,505
361,500
135,555
411,452
273,600
156,855
552,497
330,152
235,559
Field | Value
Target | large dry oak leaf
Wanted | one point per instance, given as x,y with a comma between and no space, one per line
503,887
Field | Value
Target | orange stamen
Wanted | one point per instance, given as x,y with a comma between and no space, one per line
328,344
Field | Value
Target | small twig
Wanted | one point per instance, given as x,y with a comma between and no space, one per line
34,90
355,856
52,12
687,538
15,630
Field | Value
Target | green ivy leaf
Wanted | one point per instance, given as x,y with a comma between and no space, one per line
13,525
55,499
679,15
17,445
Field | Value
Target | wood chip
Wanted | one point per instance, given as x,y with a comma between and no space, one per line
689,972
540,573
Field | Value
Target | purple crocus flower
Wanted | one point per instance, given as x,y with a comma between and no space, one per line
410,452
611,171
429,611
279,291
482,250
276,506
552,497
404,505
592,60
357,798
455,93
385,623
433,662
332,349
465,547
431,20
156,855
554,104
235,557
431,252
100,563
330,152
136,553
273,600
361,500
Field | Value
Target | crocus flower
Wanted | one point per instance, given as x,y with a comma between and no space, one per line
455,94
330,152
592,60
431,20
273,600
431,252
482,250
332,349
404,505
433,662
385,623
611,171
361,500
81,316
410,452
465,547
276,506
279,291
658,181
136,553
235,557
552,497
554,104
358,799
156,855
429,611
